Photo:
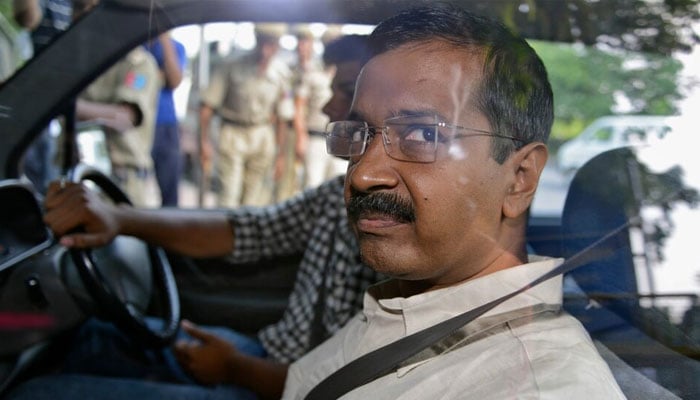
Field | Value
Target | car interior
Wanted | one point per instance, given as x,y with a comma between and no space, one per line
629,213
602,214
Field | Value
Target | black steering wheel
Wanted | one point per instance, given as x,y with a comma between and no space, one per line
113,301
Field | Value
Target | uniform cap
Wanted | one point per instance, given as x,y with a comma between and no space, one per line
303,32
270,31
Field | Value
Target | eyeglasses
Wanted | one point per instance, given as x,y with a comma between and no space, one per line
406,138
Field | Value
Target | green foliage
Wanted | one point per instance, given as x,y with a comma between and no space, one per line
563,130
652,85
658,26
588,83
6,10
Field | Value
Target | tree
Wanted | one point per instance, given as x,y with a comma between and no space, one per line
659,26
588,82
651,26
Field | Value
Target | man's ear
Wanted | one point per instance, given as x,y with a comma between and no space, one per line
526,165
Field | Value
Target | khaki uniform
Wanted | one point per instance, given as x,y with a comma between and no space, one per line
133,80
247,102
314,84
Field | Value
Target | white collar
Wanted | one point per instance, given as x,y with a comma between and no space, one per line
426,309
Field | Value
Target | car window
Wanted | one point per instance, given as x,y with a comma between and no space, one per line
610,169
602,135
637,135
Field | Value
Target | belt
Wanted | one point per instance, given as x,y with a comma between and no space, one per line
121,171
243,124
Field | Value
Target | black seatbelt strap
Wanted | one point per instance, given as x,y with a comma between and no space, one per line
386,359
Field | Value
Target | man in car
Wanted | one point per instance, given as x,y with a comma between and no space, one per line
439,202
328,290
446,140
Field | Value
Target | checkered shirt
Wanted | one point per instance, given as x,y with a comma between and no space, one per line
311,223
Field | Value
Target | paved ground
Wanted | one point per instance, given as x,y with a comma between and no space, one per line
189,196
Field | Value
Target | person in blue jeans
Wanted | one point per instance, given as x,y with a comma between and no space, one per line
99,349
166,154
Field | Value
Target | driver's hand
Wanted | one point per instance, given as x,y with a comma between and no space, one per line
208,358
70,206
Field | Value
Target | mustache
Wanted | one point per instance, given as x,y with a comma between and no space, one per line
382,203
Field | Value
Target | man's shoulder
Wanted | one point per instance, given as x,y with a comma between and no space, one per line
138,72
316,78
138,60
279,71
553,335
139,56
561,347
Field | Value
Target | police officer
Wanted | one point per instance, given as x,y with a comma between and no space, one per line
246,92
124,99
312,90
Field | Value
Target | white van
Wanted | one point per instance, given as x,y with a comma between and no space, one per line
611,132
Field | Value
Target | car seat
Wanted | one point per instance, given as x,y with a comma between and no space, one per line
601,216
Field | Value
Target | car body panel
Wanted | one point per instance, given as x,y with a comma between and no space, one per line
609,132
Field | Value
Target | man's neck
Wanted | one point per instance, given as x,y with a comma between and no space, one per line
503,261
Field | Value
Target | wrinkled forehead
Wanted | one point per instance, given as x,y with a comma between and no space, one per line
424,77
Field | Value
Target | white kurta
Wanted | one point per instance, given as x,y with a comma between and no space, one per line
526,353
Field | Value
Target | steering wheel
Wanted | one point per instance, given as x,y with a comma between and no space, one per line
114,302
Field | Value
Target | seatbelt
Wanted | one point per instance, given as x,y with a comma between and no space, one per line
386,359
